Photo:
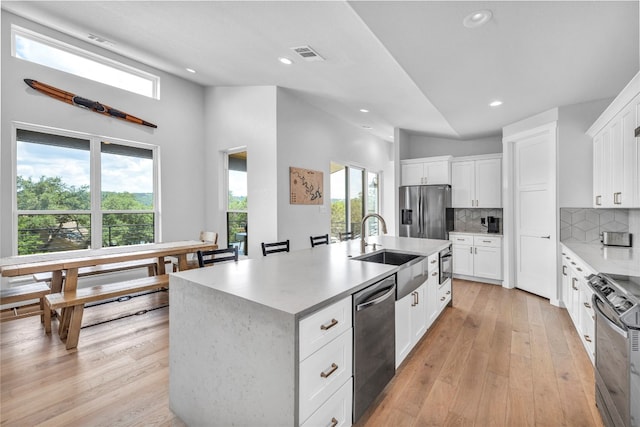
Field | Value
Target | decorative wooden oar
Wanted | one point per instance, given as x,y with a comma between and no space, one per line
95,106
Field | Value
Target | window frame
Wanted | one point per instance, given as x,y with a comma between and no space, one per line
365,193
51,42
95,211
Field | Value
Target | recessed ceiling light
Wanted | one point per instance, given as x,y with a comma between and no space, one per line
285,60
495,103
191,70
478,18
363,110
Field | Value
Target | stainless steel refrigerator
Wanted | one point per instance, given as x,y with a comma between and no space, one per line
425,211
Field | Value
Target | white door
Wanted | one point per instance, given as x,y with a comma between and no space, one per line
535,212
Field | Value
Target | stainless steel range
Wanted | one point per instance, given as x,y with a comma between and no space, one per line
616,301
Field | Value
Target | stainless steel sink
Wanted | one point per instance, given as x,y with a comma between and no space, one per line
388,257
412,270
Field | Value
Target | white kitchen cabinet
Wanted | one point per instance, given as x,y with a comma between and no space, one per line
478,256
326,357
576,297
426,171
411,322
616,151
476,183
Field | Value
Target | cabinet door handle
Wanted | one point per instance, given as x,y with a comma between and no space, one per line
470,250
476,251
417,298
334,422
413,299
435,273
598,200
434,261
331,370
617,198
443,298
586,304
564,270
573,284
587,338
331,324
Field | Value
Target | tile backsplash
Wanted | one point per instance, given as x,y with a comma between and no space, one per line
584,225
469,219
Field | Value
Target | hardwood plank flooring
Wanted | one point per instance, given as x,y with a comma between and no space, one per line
499,357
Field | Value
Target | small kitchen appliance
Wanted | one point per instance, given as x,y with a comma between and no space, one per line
613,238
493,224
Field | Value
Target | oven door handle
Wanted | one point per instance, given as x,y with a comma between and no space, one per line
595,300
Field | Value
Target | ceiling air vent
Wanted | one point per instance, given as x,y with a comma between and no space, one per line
307,53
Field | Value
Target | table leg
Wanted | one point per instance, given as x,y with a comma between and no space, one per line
182,262
161,264
63,324
56,281
74,326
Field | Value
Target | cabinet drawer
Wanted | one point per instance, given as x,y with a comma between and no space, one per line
461,239
444,294
324,372
336,411
491,241
321,327
433,264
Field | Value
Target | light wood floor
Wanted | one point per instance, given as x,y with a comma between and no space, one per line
498,357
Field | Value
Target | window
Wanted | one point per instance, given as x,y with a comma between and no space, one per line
63,205
237,217
354,193
39,49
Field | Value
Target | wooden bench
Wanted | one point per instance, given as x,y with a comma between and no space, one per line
74,301
25,293
149,264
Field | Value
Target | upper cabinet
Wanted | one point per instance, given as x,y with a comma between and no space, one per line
426,171
616,151
476,182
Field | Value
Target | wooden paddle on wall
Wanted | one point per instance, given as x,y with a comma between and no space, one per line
94,106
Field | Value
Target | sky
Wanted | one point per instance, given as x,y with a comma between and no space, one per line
119,173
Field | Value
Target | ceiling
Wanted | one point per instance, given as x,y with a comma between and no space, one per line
412,64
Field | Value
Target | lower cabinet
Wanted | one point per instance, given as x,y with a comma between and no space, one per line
411,322
576,297
326,366
477,256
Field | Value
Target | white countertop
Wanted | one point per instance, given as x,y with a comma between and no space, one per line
300,282
608,259
478,233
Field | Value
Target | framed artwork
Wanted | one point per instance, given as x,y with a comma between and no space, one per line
305,187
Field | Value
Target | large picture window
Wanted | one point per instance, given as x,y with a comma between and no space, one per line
78,192
354,193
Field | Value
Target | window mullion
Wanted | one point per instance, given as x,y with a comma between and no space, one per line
96,191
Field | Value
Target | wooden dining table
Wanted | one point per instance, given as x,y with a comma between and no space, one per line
66,264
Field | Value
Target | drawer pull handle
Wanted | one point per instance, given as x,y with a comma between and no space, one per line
443,298
331,370
486,241
587,338
334,422
448,292
333,323
578,268
435,273
586,304
460,240
434,261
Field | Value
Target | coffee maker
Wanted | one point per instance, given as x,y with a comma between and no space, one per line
493,224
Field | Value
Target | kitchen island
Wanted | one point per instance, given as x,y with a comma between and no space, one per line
235,330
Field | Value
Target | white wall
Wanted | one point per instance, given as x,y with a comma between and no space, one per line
243,117
310,138
178,114
419,146
575,153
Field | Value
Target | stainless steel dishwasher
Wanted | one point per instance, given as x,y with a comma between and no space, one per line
374,354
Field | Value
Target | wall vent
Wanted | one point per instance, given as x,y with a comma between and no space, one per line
307,53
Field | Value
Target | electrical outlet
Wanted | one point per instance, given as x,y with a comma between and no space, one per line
483,221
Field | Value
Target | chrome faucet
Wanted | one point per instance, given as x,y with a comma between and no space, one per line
363,243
